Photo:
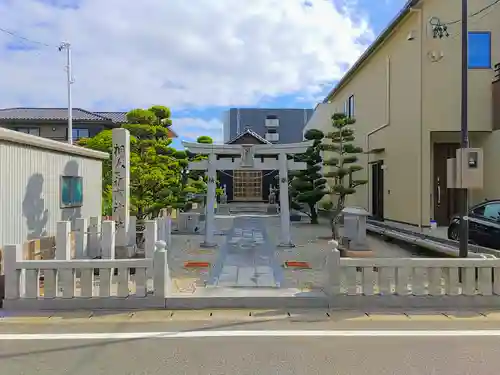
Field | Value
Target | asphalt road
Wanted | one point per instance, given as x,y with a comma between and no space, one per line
238,347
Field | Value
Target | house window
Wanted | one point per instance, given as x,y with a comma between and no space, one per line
71,191
80,133
479,50
32,131
350,106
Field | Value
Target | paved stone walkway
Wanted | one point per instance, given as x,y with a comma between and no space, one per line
247,257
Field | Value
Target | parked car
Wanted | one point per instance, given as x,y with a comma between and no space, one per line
484,225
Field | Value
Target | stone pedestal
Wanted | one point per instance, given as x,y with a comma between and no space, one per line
272,209
354,243
187,222
223,209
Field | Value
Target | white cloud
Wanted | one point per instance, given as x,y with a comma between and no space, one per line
179,53
192,128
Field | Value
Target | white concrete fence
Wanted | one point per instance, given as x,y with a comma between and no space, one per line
412,282
88,235
367,283
65,283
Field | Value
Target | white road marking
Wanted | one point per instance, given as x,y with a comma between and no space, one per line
237,334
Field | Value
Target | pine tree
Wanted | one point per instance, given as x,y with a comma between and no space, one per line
340,143
307,187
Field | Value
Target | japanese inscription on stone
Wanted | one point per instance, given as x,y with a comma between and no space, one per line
120,184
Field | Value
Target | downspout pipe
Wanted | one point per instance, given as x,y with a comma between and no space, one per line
387,123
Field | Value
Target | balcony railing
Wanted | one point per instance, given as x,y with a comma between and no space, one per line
272,137
272,123
496,77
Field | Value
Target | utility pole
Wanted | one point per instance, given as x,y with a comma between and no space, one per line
67,46
464,210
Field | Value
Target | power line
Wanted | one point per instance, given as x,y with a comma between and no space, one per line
440,29
15,35
475,13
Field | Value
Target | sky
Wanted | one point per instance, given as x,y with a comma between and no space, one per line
198,57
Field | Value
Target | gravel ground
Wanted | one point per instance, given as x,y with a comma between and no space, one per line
311,246
187,248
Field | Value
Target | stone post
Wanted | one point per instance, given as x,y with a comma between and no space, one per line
132,231
210,208
286,240
66,277
63,240
168,230
81,232
14,278
150,239
161,274
108,241
121,185
94,237
333,270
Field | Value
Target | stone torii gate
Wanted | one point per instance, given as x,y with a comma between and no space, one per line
247,157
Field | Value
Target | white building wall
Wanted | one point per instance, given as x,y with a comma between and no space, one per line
30,192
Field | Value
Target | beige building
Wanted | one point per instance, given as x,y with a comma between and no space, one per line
404,92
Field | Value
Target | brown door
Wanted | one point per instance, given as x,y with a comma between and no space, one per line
247,185
446,201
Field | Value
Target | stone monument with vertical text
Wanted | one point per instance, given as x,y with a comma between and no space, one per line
121,185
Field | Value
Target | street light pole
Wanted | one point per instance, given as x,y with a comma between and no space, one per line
464,209
67,46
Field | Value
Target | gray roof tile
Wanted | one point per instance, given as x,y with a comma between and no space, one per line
61,114
118,117
48,114
250,132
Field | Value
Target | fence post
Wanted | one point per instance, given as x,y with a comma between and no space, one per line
161,228
150,238
94,237
333,268
161,274
168,230
14,278
108,239
63,240
65,277
81,229
133,231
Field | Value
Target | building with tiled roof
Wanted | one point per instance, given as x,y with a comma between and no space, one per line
52,122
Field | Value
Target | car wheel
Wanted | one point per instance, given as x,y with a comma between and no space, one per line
454,232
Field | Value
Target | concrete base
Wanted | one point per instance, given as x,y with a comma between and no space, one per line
286,244
347,253
207,245
272,209
223,209
301,300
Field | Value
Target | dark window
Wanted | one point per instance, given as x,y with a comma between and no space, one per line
489,211
350,106
80,133
71,191
479,50
271,117
32,131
